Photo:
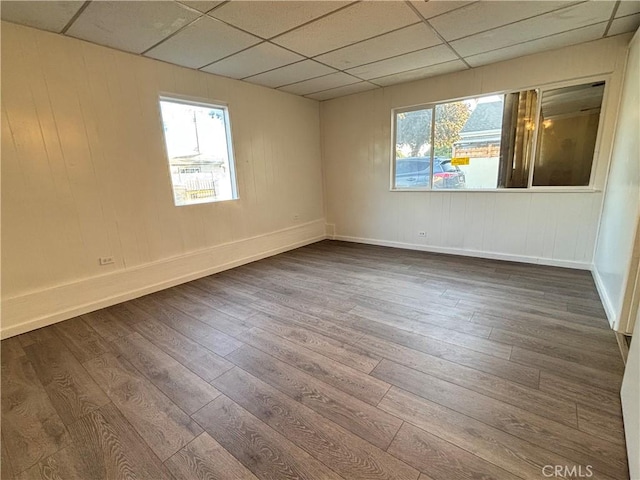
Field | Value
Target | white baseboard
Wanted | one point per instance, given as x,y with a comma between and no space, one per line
331,231
612,316
38,309
469,253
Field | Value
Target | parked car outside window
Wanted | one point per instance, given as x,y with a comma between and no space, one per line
413,172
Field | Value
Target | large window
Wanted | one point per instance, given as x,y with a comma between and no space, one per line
569,119
531,138
198,141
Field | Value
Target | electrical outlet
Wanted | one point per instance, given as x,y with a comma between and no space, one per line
106,260
422,234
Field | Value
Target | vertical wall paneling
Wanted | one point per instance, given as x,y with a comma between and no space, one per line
616,260
85,175
541,227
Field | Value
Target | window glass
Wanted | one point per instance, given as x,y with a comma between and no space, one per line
567,132
518,132
198,143
413,147
467,142
536,137
462,138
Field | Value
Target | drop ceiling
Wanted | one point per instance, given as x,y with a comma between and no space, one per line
326,49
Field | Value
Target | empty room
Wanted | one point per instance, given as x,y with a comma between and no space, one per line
320,240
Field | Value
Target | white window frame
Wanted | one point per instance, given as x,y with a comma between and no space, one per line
206,103
530,188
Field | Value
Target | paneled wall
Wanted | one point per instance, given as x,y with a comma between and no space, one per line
615,262
85,175
541,227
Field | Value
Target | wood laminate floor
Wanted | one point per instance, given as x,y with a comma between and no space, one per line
332,361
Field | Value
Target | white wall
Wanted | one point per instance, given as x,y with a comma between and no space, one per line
552,228
615,265
84,175
630,396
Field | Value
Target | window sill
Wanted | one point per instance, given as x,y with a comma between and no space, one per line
502,190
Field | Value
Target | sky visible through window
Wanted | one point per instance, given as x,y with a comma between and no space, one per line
198,151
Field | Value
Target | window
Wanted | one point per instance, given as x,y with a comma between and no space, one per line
539,137
460,131
569,119
198,141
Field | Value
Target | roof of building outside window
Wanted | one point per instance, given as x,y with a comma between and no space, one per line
486,116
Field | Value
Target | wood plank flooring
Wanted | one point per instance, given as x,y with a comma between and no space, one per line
332,361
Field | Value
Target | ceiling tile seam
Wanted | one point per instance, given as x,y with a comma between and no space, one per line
452,10
171,35
367,39
377,87
92,42
306,80
323,90
536,39
372,80
572,4
289,64
233,26
315,59
203,13
268,39
222,4
262,42
306,57
342,86
394,56
627,15
186,7
426,22
75,17
612,18
314,20
277,68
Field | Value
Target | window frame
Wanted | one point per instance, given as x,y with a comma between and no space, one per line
541,88
206,103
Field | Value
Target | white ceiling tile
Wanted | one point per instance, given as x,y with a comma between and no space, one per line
258,59
269,18
201,5
130,26
204,41
630,23
420,73
628,7
342,91
52,16
296,72
358,22
409,61
570,18
433,8
488,15
564,39
401,41
319,84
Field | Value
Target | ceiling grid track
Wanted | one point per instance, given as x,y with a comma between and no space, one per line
613,16
442,39
335,54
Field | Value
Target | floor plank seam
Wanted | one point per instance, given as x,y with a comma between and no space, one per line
509,330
